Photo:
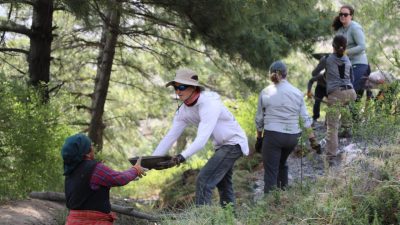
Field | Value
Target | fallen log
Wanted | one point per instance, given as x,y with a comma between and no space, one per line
129,211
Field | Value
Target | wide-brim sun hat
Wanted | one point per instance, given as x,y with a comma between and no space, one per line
186,76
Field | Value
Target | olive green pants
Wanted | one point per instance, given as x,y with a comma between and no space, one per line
337,112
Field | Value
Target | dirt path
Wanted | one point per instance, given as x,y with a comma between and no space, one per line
31,211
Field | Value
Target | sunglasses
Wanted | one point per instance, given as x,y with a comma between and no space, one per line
344,14
181,87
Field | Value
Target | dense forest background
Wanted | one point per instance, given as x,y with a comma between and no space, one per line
99,67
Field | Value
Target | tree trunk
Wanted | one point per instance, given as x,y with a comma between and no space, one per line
40,45
105,62
129,211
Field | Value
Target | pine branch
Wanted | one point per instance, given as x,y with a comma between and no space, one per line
32,3
14,67
129,211
79,107
10,26
14,50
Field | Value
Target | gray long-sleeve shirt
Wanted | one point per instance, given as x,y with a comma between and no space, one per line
355,43
338,72
279,108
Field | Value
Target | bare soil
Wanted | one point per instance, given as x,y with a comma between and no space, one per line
31,211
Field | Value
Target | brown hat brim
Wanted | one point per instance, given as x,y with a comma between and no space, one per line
184,82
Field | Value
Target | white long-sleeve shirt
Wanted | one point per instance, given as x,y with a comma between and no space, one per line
213,120
280,107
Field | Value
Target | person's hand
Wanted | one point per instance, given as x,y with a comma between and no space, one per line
177,160
315,145
380,96
258,146
309,94
139,169
174,161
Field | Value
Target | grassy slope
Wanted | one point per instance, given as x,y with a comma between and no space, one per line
366,192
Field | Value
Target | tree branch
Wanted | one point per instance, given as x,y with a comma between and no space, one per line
79,107
15,67
14,50
129,211
57,87
156,20
14,27
79,123
135,86
79,94
32,3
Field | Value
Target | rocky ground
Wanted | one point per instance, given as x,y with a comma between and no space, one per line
31,211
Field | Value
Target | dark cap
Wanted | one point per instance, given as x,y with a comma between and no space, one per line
278,66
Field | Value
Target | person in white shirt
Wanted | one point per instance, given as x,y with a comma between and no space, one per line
205,110
280,105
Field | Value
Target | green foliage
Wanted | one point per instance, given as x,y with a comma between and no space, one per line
30,139
259,31
384,203
244,110
377,122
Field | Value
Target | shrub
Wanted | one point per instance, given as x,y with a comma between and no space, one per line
30,139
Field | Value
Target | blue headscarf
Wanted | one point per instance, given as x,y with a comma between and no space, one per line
74,150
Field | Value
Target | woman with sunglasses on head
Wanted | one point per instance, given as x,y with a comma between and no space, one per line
280,107
205,110
343,24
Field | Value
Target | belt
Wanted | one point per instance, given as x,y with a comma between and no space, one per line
345,87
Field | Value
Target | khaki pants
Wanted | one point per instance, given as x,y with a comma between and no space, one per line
337,111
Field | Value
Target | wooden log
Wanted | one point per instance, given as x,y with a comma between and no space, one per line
129,211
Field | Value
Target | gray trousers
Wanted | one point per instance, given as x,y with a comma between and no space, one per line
276,149
218,173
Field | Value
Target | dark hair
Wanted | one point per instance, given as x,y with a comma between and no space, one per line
336,24
350,8
339,44
276,77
